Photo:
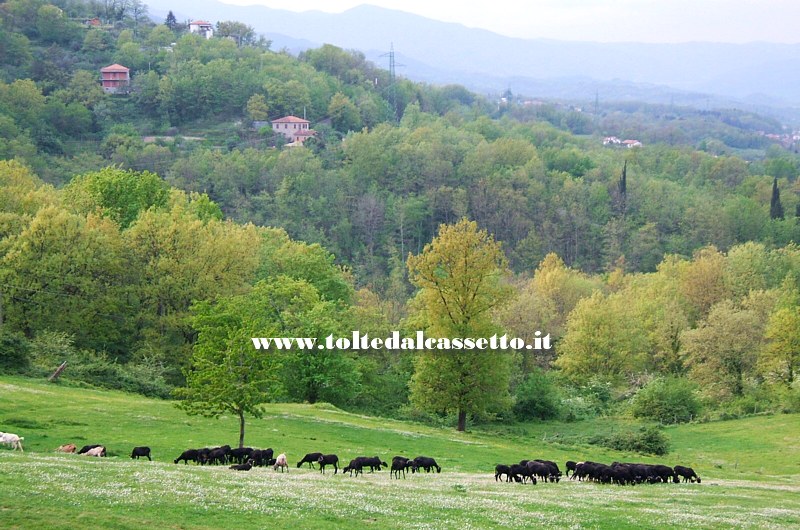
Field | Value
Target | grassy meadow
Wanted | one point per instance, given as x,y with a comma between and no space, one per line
750,470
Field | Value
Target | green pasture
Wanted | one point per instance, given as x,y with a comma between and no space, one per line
750,470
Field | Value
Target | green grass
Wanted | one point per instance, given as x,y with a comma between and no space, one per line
750,471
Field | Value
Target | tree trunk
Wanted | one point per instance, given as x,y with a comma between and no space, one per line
462,420
241,429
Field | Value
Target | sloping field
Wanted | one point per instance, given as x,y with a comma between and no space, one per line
750,470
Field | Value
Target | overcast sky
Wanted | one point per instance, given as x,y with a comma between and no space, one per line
597,20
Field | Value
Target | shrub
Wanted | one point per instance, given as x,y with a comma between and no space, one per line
578,408
537,398
667,400
789,398
14,353
146,376
589,400
647,440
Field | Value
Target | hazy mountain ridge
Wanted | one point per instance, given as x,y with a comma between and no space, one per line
448,52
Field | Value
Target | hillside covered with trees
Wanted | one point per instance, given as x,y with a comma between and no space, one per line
146,232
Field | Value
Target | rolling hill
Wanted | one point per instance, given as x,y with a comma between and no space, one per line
759,73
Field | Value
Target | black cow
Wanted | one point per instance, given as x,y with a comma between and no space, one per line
570,465
261,457
500,470
687,473
356,464
310,458
623,474
203,455
401,463
189,454
426,463
373,462
141,451
521,473
664,473
218,455
243,467
555,473
538,469
328,460
240,454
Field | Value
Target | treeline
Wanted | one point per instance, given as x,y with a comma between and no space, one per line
653,269
368,188
130,281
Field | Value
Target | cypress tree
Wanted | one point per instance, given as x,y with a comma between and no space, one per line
775,207
622,189
171,22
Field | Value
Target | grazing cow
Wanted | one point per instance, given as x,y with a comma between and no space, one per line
555,473
280,462
356,464
141,451
538,469
687,473
500,470
240,455
401,463
189,454
309,459
218,455
96,451
67,448
426,463
521,473
623,474
261,457
328,460
203,455
13,440
243,467
373,462
86,448
664,473
267,455
570,465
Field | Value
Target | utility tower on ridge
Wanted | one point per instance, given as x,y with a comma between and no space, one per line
392,88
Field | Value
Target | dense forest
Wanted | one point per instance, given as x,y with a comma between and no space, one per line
134,225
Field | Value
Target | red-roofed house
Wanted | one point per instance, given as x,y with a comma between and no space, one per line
295,129
201,27
114,78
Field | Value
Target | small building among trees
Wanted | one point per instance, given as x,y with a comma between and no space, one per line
115,78
202,28
295,129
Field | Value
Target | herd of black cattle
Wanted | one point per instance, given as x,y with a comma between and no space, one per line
246,458
527,471
622,473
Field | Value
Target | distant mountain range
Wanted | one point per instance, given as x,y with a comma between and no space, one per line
755,75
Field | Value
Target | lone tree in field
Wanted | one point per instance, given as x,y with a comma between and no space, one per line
227,374
459,276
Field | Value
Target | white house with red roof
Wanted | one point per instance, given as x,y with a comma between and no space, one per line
295,129
115,78
201,27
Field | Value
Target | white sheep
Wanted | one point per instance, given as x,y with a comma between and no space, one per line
12,439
